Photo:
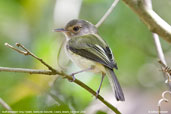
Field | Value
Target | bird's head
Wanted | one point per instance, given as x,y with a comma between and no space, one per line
78,27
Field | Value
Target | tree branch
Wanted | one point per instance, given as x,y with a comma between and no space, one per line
23,70
27,52
154,22
52,71
108,12
148,5
162,58
5,105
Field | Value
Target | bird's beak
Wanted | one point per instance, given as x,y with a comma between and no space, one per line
60,30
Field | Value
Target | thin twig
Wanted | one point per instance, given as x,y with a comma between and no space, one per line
52,71
5,105
107,13
161,57
23,70
19,51
159,48
148,6
27,52
160,53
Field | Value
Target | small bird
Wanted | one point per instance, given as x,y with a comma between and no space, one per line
90,52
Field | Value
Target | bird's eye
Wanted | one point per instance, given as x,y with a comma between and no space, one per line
76,28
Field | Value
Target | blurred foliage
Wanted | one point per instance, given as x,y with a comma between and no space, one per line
30,22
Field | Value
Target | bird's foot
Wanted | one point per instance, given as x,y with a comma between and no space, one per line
97,93
73,77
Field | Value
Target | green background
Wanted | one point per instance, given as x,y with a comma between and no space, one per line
30,22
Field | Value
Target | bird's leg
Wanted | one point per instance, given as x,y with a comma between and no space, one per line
98,91
73,74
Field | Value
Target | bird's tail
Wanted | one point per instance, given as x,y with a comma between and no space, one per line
115,85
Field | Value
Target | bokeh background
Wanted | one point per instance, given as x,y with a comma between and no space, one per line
31,22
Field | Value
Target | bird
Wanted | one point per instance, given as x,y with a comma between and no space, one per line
90,52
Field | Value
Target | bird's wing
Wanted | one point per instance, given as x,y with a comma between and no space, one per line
94,48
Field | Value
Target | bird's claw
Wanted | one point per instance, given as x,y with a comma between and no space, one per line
73,77
97,93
